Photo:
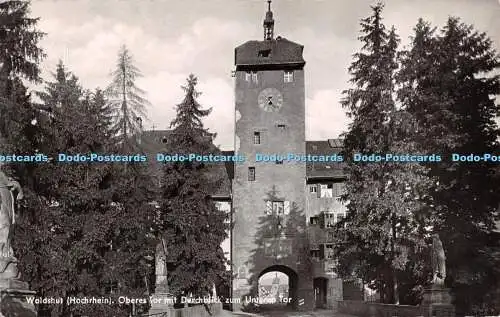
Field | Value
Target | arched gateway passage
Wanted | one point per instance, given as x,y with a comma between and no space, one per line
277,288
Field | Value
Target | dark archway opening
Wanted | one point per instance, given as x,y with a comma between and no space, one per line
277,288
320,289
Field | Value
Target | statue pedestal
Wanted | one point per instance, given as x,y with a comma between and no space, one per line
437,303
14,292
13,303
13,284
161,303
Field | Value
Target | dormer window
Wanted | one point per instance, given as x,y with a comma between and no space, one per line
265,53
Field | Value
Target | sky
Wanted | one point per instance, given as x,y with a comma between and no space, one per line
171,39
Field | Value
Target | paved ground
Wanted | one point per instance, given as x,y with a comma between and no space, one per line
277,313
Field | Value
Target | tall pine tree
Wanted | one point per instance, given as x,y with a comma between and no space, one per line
193,227
126,99
20,55
448,87
382,237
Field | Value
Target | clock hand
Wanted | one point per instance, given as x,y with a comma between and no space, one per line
269,101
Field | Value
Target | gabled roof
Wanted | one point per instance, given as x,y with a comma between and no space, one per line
279,51
324,170
154,141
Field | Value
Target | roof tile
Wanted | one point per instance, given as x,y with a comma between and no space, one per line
281,51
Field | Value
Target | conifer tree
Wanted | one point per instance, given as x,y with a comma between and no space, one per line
17,27
19,58
193,227
84,230
126,99
382,234
448,87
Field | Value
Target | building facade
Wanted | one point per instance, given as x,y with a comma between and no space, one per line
282,211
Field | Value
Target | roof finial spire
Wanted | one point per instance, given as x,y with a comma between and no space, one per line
269,23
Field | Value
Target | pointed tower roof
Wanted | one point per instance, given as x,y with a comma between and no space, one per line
269,23
276,279
271,51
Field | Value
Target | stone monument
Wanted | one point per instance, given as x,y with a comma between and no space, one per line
437,298
161,300
13,292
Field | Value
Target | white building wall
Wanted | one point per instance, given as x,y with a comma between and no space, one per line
226,244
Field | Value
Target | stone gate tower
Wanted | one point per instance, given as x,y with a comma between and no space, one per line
269,197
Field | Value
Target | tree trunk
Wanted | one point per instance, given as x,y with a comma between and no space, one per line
124,104
395,292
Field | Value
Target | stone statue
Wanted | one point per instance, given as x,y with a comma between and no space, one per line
10,193
162,301
438,261
161,268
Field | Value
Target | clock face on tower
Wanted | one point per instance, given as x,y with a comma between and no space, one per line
270,100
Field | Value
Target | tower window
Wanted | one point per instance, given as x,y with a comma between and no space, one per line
281,126
265,53
251,174
277,207
251,76
256,138
255,79
288,76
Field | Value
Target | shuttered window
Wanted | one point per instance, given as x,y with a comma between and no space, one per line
277,207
